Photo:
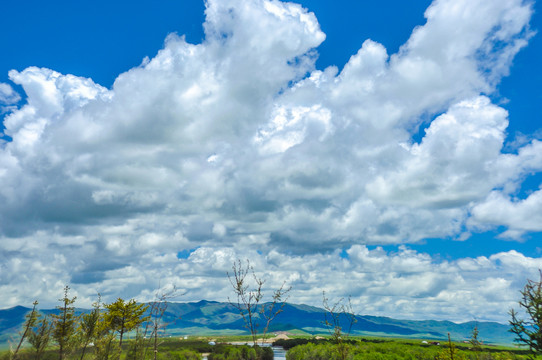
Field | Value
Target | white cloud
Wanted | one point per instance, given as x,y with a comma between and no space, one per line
8,96
405,283
228,145
518,215
446,168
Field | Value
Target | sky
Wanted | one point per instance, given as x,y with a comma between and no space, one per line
389,152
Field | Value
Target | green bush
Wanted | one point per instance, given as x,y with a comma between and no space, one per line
187,355
396,350
313,352
183,354
242,352
265,353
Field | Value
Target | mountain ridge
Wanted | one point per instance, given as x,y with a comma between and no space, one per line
207,317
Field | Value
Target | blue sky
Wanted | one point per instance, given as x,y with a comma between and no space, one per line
76,38
257,136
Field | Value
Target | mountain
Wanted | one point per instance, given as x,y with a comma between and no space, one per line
217,318
11,319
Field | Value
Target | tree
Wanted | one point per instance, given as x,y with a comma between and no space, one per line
249,299
124,316
64,324
104,344
452,352
529,331
474,341
270,310
334,317
155,319
88,326
40,337
31,319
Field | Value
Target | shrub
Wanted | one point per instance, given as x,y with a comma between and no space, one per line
313,352
187,355
243,352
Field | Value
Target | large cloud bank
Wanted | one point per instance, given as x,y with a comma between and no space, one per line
239,147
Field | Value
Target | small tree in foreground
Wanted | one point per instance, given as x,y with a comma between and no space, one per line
123,317
449,352
155,322
529,331
31,319
88,326
249,297
474,341
40,337
334,317
64,325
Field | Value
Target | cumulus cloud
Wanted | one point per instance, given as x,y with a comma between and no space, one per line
240,147
8,96
518,215
403,284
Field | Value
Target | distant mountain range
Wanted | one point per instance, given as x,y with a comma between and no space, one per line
217,318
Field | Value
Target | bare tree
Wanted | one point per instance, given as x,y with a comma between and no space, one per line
270,310
334,317
250,294
155,321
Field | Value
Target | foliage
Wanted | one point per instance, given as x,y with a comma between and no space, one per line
476,344
104,344
124,316
40,337
290,343
314,352
64,325
136,347
241,352
75,335
396,350
173,345
31,319
180,355
449,352
529,332
174,349
89,325
287,344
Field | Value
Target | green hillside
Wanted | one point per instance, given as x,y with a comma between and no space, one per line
216,318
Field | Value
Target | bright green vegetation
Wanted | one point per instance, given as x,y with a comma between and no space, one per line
242,352
170,349
529,331
305,349
98,334
299,349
